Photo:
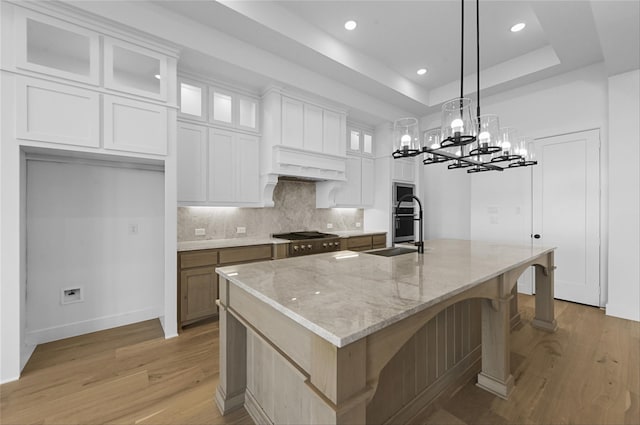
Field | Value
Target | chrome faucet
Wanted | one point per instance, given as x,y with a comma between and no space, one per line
420,242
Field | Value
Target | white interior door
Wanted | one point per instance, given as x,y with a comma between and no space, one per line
566,211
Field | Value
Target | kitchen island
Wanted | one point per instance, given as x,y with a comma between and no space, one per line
335,337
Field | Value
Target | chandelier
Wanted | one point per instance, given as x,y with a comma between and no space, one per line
474,142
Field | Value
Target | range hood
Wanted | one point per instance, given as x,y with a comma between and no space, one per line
301,138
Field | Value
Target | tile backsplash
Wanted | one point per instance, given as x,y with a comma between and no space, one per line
294,209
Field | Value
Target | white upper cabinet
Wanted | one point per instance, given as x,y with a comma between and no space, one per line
134,69
332,134
134,126
311,127
51,46
360,140
358,190
192,97
232,109
302,137
192,163
57,113
78,86
292,123
404,169
247,113
234,172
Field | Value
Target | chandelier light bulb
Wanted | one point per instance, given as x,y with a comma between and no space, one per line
457,125
405,140
484,137
435,145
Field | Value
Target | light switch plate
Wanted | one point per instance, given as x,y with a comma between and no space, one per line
241,230
200,232
329,225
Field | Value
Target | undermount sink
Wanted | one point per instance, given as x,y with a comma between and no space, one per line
392,252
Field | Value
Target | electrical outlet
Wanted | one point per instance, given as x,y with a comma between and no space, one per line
241,230
71,295
358,224
200,232
329,225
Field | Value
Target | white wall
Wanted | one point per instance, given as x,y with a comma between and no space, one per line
624,196
79,234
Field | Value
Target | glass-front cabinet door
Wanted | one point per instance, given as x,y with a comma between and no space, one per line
360,141
49,46
133,69
232,109
193,100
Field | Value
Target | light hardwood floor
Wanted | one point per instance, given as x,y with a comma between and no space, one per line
586,373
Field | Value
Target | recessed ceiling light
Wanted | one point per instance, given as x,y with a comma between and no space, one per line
350,25
421,71
518,27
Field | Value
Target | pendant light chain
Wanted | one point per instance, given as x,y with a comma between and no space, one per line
461,48
478,60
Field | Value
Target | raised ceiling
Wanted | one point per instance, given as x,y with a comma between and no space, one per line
395,38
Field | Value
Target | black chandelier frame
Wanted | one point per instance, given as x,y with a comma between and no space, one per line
472,160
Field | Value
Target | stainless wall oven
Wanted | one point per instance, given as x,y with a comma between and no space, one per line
403,215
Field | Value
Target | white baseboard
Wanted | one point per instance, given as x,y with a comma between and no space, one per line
25,354
617,310
54,333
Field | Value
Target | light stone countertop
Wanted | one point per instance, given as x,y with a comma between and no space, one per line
351,233
233,242
344,296
227,243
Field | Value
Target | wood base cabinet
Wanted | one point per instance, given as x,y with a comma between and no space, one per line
199,292
366,242
198,280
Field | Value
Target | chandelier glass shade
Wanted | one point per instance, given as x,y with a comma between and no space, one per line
406,138
475,142
458,123
488,137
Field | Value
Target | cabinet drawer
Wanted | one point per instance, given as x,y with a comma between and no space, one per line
245,253
356,242
379,241
198,259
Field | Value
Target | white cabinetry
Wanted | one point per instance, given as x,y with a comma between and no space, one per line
57,113
357,191
292,123
311,127
54,47
133,69
333,141
229,108
217,167
134,126
404,170
192,163
61,100
302,137
233,168
360,140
